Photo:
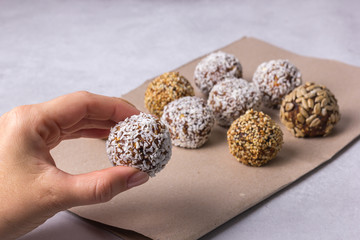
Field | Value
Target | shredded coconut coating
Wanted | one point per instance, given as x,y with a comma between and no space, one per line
231,98
164,89
275,79
215,68
189,121
254,138
140,141
310,110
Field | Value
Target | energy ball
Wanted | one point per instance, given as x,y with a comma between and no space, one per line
254,138
189,121
231,98
310,110
140,141
164,89
214,68
275,79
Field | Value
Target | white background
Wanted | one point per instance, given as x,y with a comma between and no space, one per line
52,47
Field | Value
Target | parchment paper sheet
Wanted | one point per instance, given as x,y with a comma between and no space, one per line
201,189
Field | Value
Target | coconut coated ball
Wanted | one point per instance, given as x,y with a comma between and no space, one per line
231,98
275,79
140,141
189,120
215,68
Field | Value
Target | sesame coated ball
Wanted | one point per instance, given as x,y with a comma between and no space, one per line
215,68
254,138
231,98
275,79
140,141
189,120
310,110
164,89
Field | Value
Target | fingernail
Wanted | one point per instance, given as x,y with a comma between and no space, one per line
137,179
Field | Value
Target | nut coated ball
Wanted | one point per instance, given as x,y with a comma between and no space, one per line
254,138
310,110
164,89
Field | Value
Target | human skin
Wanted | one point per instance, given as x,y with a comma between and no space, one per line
32,188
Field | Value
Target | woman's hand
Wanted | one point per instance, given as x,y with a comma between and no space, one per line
32,188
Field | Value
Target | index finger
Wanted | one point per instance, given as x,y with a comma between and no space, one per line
69,109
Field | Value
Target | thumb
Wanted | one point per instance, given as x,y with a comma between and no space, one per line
100,186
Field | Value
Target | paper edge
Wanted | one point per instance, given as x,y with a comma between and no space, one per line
287,186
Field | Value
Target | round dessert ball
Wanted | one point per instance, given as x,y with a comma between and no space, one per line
214,68
140,141
164,89
254,138
189,121
310,110
275,79
231,98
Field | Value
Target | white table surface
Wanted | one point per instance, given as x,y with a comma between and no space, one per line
52,47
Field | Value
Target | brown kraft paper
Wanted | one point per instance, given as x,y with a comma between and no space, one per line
200,189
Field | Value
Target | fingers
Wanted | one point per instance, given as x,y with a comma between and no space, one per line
100,186
88,133
84,114
89,124
80,114
69,110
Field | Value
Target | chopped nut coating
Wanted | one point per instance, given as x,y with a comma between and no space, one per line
314,103
164,89
254,138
